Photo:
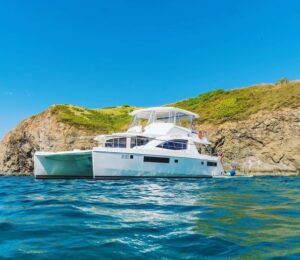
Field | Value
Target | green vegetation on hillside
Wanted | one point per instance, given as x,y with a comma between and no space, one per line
104,120
213,107
219,105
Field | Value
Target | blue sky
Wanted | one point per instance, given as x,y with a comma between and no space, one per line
144,53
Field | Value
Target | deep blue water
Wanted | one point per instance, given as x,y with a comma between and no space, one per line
248,218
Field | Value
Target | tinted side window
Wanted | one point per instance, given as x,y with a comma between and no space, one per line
214,164
116,142
174,144
156,159
138,141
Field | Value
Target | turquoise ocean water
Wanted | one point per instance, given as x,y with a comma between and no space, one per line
245,218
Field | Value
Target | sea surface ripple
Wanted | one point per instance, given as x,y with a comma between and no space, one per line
242,218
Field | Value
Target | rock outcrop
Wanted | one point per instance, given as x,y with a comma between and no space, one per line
268,143
43,132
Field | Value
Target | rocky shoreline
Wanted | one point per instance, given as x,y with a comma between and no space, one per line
266,144
257,129
7,174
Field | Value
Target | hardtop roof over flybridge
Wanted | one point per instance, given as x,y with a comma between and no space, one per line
146,112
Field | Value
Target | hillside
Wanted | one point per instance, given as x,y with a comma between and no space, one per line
258,128
214,107
104,120
220,106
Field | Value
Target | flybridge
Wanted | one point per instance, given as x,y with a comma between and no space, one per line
159,120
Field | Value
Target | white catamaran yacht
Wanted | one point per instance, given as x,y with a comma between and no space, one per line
160,142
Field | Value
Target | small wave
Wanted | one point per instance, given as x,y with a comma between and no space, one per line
150,218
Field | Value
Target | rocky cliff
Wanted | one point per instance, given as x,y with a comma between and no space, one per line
268,143
257,129
43,132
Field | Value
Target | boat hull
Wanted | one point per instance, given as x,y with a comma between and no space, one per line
75,164
133,164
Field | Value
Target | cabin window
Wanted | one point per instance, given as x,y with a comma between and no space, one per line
214,164
116,142
156,159
138,141
177,144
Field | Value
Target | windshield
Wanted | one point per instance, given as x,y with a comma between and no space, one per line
184,120
137,121
164,117
177,118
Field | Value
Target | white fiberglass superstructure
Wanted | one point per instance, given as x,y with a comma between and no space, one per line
160,142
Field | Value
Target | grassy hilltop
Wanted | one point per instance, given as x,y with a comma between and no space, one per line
219,106
214,107
104,120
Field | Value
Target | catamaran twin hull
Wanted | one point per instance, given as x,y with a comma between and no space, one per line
102,163
129,164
